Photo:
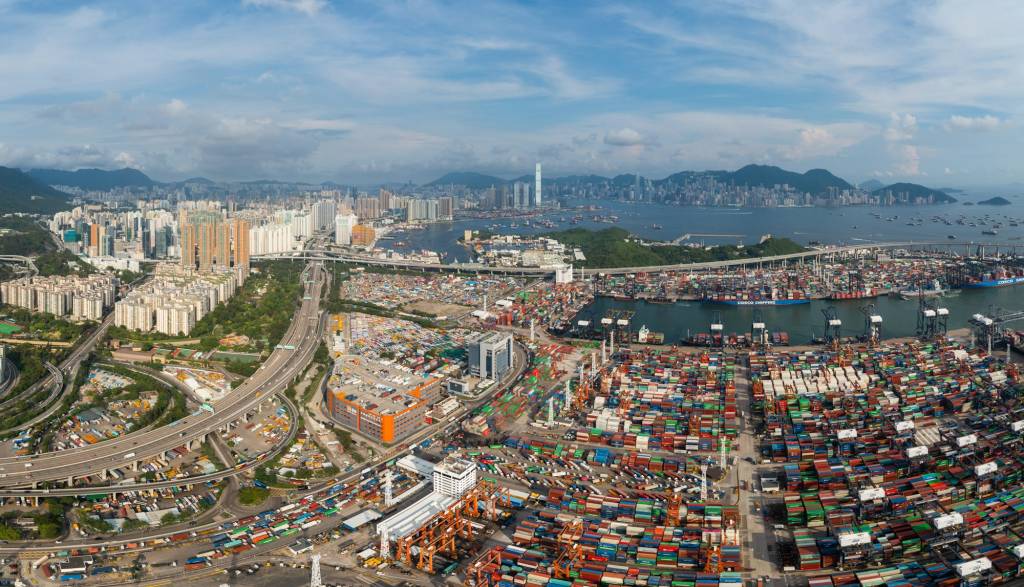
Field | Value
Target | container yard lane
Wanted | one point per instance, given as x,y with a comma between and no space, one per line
289,358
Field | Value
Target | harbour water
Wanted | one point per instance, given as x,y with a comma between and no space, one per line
849,225
805,321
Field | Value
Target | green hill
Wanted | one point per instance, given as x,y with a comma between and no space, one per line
610,247
996,201
815,181
914,191
93,179
21,193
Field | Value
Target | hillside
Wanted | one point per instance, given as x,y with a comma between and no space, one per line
996,201
871,185
917,191
610,248
815,181
21,193
93,179
470,179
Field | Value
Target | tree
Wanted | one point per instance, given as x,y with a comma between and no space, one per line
9,533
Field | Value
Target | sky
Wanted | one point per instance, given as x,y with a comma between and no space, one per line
363,92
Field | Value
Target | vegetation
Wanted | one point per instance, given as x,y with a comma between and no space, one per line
345,439
242,368
21,193
262,310
996,201
252,495
211,455
42,325
917,191
9,533
612,247
62,262
93,179
23,236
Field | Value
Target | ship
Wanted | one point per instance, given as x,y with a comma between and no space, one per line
990,232
645,336
934,291
951,237
762,302
995,282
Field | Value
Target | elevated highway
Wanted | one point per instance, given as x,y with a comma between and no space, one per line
347,257
285,363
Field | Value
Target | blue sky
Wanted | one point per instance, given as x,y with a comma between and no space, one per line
373,91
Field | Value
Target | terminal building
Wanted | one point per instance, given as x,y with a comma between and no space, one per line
385,405
490,355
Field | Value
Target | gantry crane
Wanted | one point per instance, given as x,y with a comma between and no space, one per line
932,321
759,331
833,327
872,324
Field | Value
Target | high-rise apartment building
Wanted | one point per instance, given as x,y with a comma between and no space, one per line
537,189
446,208
207,241
343,225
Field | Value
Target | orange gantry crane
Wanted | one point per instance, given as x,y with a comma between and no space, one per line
439,533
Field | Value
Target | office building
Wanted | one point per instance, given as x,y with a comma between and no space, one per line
454,476
490,355
536,189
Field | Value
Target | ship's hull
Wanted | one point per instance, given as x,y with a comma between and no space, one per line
758,302
995,282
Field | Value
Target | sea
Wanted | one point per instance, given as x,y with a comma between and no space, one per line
713,226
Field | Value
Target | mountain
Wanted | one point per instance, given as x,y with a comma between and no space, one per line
470,179
996,201
199,180
93,179
19,192
815,181
917,191
872,185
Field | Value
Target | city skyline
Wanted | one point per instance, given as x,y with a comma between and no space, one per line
367,93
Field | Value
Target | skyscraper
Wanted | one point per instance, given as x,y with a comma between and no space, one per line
536,193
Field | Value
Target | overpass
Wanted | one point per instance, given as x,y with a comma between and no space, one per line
284,364
347,257
30,266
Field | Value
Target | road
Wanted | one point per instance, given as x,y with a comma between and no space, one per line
329,255
285,363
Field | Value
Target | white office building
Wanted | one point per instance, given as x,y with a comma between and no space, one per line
536,189
454,476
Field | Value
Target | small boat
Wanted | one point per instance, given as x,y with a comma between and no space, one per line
951,237
990,232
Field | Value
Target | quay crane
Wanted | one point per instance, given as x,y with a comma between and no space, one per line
872,324
759,331
932,321
990,328
833,327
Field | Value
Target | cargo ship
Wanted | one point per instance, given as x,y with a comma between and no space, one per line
995,282
933,292
756,302
859,294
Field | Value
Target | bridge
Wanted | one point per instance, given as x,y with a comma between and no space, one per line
29,266
398,264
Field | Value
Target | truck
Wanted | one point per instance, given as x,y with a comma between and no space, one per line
128,456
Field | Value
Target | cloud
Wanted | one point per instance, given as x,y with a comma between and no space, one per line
973,123
901,127
307,7
175,107
624,137
908,161
66,157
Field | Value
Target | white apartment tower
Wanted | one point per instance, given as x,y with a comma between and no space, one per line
536,189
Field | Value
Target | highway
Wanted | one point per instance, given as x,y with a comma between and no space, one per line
301,340
330,255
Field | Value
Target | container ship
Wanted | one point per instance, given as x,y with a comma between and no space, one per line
731,300
996,279
934,291
859,294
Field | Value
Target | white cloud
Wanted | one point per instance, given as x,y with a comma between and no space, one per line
175,107
624,137
308,7
901,127
908,161
981,123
